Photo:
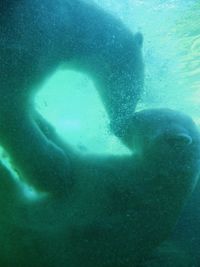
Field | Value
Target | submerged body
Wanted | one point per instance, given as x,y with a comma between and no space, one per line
99,211
119,209
37,37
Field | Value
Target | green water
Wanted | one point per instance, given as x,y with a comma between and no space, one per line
70,102
172,58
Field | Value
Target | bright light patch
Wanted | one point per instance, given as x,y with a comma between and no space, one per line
70,102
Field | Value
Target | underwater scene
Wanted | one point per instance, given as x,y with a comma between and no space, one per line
100,133
171,56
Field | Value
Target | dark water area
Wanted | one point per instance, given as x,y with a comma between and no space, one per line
135,205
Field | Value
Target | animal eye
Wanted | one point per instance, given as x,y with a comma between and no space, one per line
179,139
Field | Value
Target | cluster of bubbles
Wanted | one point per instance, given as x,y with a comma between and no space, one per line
171,54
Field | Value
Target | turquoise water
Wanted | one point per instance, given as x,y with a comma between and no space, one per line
172,57
70,102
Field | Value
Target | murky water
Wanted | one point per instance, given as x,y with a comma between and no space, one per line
171,53
71,103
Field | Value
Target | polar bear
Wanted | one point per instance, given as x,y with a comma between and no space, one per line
37,37
119,209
